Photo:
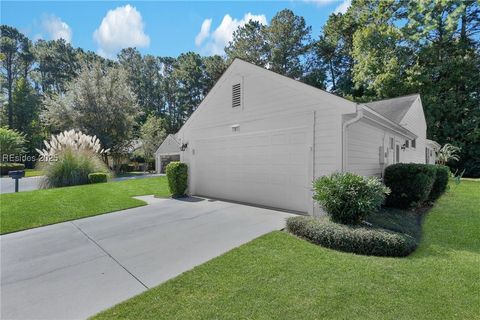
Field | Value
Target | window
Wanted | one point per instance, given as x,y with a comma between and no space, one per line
392,143
414,143
236,95
407,143
397,154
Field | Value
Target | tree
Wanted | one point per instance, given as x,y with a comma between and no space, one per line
289,40
57,64
11,143
214,67
26,117
249,43
152,134
11,44
100,103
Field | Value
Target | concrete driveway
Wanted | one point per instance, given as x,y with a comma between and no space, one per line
72,270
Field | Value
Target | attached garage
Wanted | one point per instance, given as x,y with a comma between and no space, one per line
269,168
261,138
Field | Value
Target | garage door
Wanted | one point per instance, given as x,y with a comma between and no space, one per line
268,168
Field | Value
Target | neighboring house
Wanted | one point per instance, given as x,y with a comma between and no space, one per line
262,138
168,151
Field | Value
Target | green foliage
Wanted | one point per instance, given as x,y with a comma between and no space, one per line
100,103
12,166
152,134
440,185
348,238
177,175
410,184
70,167
348,198
97,177
249,43
11,143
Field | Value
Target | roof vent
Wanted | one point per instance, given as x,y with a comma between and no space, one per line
236,95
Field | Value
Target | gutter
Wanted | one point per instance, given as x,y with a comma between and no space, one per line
345,125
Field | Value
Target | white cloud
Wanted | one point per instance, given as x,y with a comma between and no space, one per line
343,7
204,32
120,28
219,38
56,28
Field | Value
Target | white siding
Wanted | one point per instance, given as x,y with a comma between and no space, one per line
270,102
414,120
364,141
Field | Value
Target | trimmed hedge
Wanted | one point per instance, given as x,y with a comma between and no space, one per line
350,238
10,166
97,177
441,182
347,197
410,184
177,176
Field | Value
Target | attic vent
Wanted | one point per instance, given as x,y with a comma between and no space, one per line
236,95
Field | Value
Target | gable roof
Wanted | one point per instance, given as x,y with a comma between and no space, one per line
393,109
169,146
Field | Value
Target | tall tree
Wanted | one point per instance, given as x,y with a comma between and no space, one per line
213,66
57,65
11,44
152,134
289,40
250,44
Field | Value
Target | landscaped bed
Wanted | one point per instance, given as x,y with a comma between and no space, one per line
280,276
24,210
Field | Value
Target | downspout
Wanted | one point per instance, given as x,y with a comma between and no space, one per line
346,124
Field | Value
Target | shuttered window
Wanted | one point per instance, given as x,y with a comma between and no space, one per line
236,95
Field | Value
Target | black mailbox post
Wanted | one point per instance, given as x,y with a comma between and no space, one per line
17,174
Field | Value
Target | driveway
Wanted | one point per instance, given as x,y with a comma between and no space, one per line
75,269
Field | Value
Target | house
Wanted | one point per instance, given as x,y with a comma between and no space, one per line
168,151
262,138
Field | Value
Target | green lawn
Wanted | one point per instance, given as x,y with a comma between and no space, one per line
24,210
33,173
279,276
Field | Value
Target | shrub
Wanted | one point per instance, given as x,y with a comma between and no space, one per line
352,238
348,197
10,166
410,184
97,177
70,168
177,175
11,143
441,182
69,158
127,167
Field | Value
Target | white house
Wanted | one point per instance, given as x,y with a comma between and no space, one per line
168,151
262,138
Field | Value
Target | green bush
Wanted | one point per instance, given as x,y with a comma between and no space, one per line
441,182
177,175
97,177
10,166
11,143
352,238
348,197
71,167
410,184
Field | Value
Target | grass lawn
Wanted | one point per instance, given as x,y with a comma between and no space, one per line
279,276
24,210
33,173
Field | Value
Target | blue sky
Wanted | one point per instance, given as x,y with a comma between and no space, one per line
161,28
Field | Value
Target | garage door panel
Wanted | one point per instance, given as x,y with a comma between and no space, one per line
268,168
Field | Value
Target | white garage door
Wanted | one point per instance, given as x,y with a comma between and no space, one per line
269,168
